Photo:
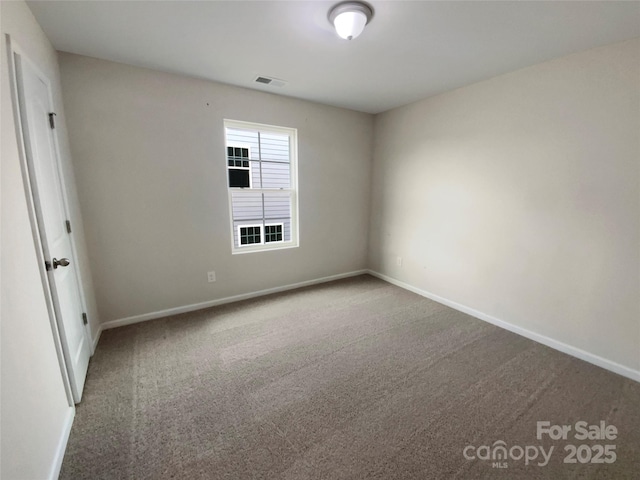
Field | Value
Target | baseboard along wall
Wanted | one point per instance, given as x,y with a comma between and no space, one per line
221,301
536,337
62,444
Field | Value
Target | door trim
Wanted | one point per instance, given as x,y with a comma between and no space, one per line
14,51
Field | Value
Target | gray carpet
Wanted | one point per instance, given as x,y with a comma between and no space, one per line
353,379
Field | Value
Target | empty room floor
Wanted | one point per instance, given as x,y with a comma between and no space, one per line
352,379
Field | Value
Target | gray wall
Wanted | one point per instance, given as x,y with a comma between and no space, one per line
34,406
149,155
518,197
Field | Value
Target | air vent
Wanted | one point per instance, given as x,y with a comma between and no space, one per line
273,82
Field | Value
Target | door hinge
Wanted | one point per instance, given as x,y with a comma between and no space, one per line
84,318
68,224
52,122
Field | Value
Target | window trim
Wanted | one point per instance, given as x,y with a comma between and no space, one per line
292,133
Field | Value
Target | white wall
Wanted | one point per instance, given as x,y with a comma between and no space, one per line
519,197
149,156
34,411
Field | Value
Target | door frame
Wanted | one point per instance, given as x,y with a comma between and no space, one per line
15,51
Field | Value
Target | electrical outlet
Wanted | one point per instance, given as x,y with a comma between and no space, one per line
399,261
211,276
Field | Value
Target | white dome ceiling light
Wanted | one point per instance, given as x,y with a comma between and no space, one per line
350,18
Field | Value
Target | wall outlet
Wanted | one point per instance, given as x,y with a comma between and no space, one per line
399,261
211,276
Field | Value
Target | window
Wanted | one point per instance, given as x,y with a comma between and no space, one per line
239,166
252,234
261,163
273,233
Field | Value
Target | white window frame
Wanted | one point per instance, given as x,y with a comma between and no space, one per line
292,133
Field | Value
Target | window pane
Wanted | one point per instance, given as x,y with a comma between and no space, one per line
277,205
277,209
246,206
248,138
238,178
255,175
276,175
249,235
273,233
266,153
274,147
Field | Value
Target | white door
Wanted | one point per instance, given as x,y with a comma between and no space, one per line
51,212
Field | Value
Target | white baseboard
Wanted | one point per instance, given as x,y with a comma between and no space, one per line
212,303
536,337
96,339
62,444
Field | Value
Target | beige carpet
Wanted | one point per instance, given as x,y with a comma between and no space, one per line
354,379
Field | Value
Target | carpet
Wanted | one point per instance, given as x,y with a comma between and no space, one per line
353,379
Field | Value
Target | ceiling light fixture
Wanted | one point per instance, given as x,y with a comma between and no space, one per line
349,18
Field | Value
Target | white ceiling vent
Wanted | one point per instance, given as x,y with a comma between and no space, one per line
273,82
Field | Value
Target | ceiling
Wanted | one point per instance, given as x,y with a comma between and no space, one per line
410,50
